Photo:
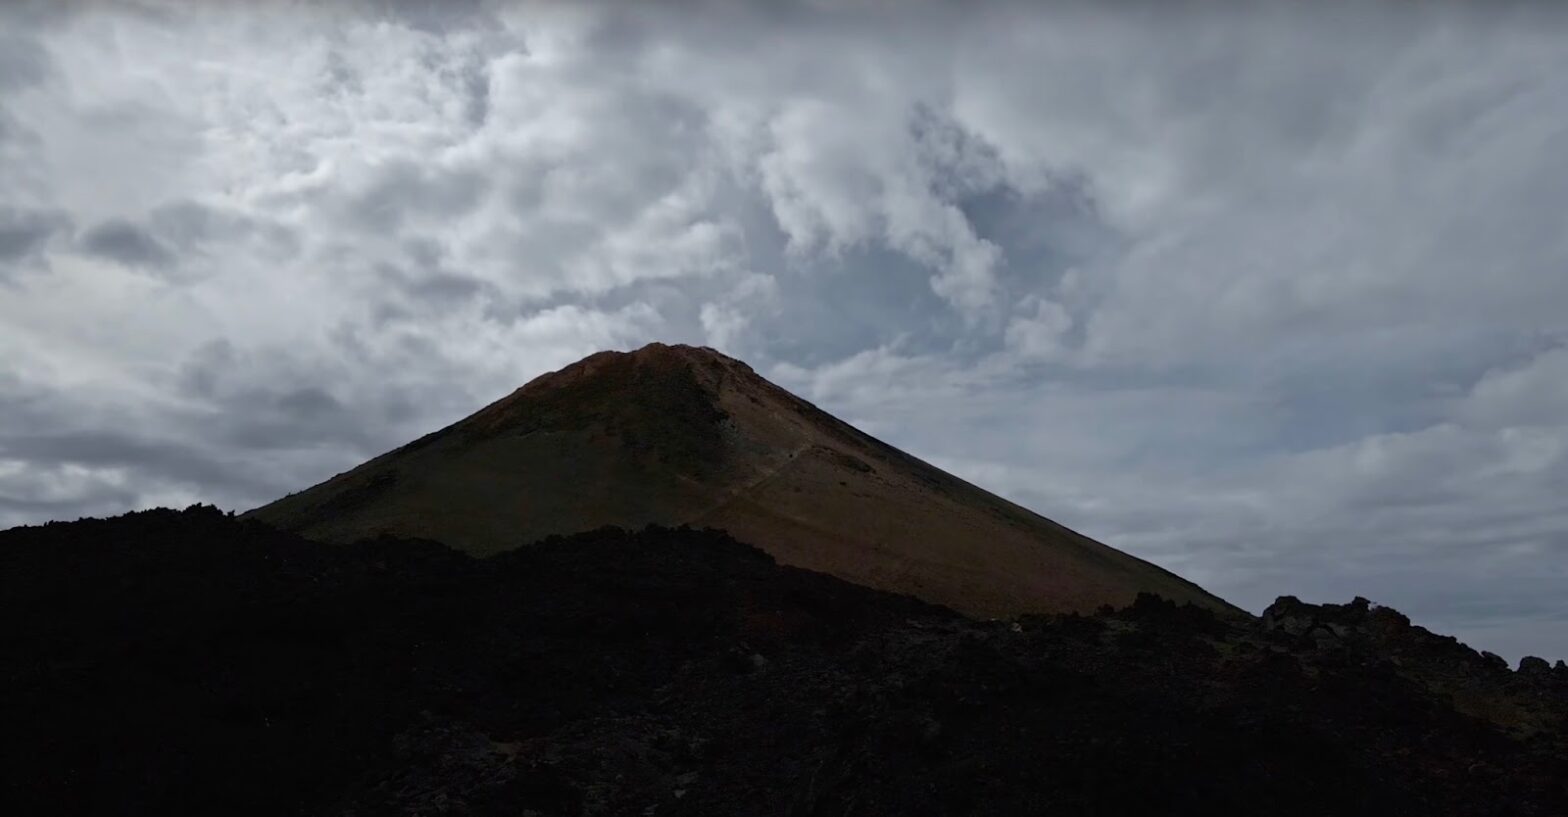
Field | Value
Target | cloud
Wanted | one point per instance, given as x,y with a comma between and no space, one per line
23,63
835,183
26,233
126,243
1531,395
1041,334
726,321
1282,317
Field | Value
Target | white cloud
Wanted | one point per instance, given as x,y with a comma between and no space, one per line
726,322
1040,335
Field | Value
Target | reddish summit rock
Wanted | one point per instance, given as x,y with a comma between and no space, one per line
681,435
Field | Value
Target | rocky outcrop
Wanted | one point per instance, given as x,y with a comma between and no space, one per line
1529,701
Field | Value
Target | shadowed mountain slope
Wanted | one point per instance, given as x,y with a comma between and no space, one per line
677,435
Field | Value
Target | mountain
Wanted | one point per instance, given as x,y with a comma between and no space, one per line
677,435
191,663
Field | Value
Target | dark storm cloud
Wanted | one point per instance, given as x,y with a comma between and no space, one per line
76,463
476,81
92,502
345,402
127,243
308,403
171,458
425,284
294,405
191,229
25,233
23,63
245,425
406,188
189,223
33,501
435,15
445,286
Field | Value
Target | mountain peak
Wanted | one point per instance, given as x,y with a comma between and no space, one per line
676,352
681,435
658,387
664,355
649,363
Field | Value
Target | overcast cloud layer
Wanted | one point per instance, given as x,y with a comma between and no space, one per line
1275,297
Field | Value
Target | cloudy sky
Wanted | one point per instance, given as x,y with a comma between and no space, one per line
1273,295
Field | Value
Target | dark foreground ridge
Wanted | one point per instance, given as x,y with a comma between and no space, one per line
187,662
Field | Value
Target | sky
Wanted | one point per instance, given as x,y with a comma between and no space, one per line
1274,295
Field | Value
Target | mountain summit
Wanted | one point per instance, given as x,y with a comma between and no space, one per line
680,435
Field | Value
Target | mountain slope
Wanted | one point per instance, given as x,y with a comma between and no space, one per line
676,435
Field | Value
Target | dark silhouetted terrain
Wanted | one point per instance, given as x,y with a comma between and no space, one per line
192,663
676,435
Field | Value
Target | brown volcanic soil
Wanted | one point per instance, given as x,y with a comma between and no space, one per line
676,435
